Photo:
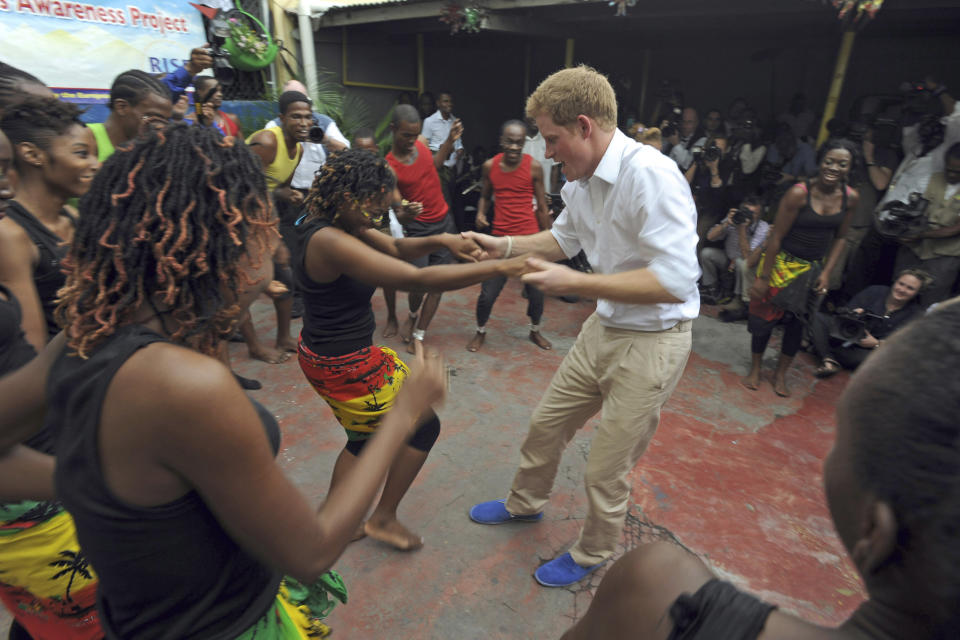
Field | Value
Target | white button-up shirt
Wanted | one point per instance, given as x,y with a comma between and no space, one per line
436,130
635,212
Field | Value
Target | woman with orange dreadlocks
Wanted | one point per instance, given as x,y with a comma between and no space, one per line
167,467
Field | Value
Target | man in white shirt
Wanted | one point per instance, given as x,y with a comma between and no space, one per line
436,129
630,209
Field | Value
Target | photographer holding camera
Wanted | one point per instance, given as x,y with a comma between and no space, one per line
744,237
936,249
932,125
707,176
846,339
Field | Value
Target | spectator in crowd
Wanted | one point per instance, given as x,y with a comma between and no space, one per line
208,95
924,147
889,309
891,487
810,227
734,115
178,80
746,153
707,177
426,105
936,250
794,159
872,179
515,182
436,130
652,136
280,152
744,237
712,124
55,159
138,100
536,147
364,139
799,118
418,181
682,140
313,155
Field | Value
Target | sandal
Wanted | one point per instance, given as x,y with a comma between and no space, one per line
827,369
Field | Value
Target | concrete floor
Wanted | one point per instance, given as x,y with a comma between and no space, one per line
732,475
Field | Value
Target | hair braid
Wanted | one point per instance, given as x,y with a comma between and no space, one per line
165,224
356,174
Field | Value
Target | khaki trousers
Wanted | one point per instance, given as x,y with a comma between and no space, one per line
628,375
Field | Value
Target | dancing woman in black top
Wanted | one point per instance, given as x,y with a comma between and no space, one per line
343,259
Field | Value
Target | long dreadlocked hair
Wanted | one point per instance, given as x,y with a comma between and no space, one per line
348,175
165,224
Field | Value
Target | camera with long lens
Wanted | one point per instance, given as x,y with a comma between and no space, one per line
218,30
898,219
851,327
673,122
316,132
742,215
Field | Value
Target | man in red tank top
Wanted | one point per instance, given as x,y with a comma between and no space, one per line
515,180
417,179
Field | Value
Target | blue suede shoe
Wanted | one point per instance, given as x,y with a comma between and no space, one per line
495,512
562,571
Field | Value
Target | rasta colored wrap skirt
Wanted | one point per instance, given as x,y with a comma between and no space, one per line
360,386
45,580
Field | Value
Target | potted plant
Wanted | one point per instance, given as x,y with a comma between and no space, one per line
249,45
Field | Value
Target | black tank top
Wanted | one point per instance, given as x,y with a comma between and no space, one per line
338,316
47,276
167,572
812,234
15,352
718,610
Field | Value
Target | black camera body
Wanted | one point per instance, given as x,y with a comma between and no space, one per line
712,153
742,215
317,132
673,125
852,327
898,219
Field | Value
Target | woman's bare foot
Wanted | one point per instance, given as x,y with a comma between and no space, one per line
390,329
268,355
537,338
393,533
406,332
287,344
751,380
476,342
780,387
412,346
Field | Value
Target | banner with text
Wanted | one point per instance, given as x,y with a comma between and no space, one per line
78,48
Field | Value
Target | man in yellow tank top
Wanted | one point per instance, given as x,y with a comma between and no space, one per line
279,150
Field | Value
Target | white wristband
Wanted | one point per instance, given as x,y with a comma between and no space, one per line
509,250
